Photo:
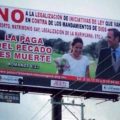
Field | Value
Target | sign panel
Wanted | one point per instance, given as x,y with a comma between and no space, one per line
111,88
10,97
59,83
35,43
10,79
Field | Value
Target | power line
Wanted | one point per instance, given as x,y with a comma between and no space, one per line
74,91
40,110
71,113
83,85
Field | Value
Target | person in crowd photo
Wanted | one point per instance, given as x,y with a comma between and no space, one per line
108,66
74,63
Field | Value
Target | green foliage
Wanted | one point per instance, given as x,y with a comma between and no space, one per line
94,48
92,69
42,67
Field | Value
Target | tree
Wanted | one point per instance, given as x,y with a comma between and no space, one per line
2,34
91,50
94,48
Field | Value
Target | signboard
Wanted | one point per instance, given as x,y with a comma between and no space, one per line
10,79
32,40
111,88
10,97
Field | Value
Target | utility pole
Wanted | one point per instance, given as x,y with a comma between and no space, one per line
57,104
56,108
82,111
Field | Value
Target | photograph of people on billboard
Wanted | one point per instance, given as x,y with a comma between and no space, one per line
78,64
109,58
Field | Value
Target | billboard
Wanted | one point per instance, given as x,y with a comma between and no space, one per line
35,43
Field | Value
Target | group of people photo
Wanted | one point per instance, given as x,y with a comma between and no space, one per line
107,65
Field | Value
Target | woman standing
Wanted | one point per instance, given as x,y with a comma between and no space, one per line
78,63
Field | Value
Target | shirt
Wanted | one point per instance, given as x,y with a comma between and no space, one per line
77,67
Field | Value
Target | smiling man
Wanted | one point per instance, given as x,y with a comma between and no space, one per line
109,58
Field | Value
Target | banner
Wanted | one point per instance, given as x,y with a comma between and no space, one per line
32,40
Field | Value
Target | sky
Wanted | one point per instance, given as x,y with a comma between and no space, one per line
31,104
